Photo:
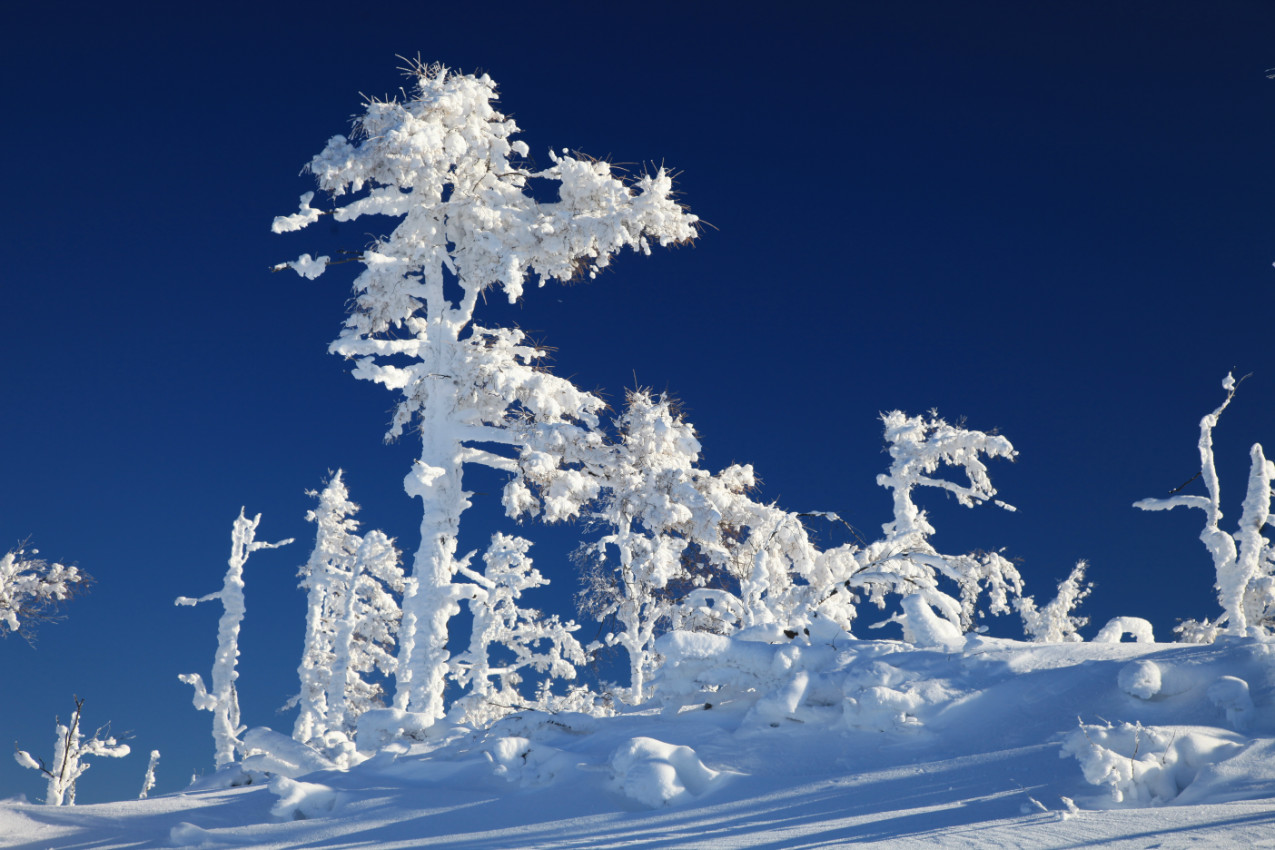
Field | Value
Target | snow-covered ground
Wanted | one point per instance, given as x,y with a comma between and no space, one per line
810,744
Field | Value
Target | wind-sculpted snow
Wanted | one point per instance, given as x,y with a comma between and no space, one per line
811,744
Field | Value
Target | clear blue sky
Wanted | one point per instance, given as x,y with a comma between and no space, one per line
1053,219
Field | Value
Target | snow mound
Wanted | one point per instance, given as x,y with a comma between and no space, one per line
187,835
1140,679
302,800
530,764
1148,765
658,774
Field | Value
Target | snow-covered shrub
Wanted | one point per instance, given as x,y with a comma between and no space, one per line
223,700
1055,622
1147,765
1244,561
442,161
535,641
31,588
1117,627
70,750
352,617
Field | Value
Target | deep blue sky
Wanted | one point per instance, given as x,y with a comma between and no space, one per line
1054,219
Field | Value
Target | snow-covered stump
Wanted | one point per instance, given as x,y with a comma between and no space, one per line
443,161
222,700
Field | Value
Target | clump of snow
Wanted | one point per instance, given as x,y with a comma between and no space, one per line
658,774
1140,679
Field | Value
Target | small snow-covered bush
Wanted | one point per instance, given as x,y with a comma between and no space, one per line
1117,627
1055,622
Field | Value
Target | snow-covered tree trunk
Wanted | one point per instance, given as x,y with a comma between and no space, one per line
222,700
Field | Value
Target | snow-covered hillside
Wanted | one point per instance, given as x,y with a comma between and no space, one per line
813,743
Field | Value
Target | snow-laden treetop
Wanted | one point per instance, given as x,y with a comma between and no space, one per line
444,160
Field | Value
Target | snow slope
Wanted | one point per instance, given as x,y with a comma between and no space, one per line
807,745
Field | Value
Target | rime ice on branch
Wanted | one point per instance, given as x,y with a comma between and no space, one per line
222,700
443,164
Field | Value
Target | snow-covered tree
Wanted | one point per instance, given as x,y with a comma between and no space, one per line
31,588
331,560
223,700
352,617
366,632
526,638
69,753
1244,561
904,561
1055,621
443,163
664,556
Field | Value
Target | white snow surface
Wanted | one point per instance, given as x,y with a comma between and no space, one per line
994,743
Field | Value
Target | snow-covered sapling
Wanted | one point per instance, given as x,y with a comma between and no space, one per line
1055,622
222,700
69,753
525,638
352,617
1244,562
31,588
148,782
443,163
